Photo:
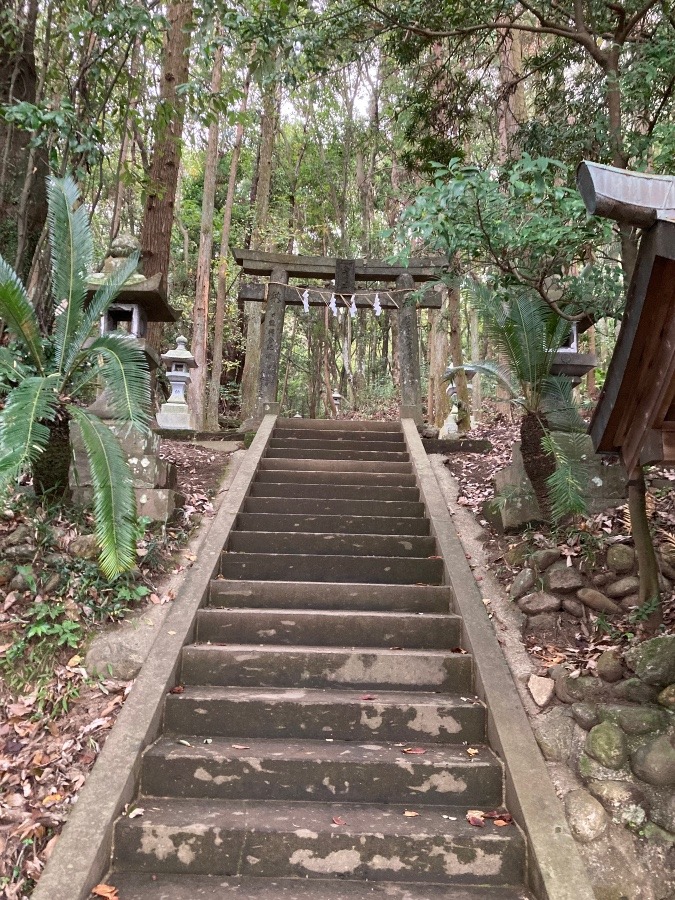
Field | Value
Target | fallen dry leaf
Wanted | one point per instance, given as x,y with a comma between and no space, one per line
414,750
338,820
178,689
240,747
369,697
106,890
411,814
472,751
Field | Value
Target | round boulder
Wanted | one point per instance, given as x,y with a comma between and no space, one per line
614,795
585,715
621,558
522,583
609,666
623,587
542,559
606,743
654,762
564,579
667,697
597,601
84,546
653,661
587,819
573,607
536,604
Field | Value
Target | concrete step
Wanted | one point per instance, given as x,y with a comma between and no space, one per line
310,491
339,425
328,628
338,434
321,771
360,569
272,839
306,447
367,597
381,479
331,465
150,886
331,524
327,506
363,455
248,665
311,713
291,542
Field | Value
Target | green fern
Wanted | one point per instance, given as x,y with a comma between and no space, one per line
19,316
23,432
114,498
35,403
566,484
72,259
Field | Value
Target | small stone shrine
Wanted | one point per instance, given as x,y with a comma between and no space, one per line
141,300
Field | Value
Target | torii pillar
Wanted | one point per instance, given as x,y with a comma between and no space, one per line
270,350
409,353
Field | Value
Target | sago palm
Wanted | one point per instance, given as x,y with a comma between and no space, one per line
44,378
526,334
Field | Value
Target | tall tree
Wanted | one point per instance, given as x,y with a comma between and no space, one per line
200,313
163,178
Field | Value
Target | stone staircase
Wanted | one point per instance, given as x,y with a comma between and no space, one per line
324,739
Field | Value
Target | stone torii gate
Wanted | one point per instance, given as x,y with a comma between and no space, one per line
277,293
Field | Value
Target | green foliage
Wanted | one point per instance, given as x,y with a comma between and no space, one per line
524,226
66,363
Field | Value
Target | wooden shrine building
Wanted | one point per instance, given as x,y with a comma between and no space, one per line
635,415
342,285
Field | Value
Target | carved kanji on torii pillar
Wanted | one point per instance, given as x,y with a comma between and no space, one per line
389,287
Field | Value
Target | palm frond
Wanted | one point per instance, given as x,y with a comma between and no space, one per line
72,257
114,498
566,485
10,369
23,432
18,314
126,376
99,304
559,406
494,371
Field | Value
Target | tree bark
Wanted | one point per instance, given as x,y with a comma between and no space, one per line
200,313
23,200
476,387
163,178
644,548
221,286
249,381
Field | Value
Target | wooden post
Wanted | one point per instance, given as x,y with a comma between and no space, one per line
409,354
270,357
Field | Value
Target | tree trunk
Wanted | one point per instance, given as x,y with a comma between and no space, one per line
50,469
644,548
438,404
163,178
221,286
463,404
23,200
249,381
200,313
538,464
476,387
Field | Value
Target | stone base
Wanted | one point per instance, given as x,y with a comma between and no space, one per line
158,504
154,479
606,487
411,412
175,416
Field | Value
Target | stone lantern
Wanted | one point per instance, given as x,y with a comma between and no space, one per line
140,300
175,413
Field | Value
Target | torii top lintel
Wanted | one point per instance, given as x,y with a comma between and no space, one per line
254,262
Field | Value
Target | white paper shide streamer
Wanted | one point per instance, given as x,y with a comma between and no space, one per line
332,305
352,308
377,308
305,301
